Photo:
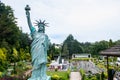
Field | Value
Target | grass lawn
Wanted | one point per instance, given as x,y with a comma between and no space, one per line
64,75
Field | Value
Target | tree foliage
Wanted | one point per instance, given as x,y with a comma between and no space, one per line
2,55
11,38
9,32
10,35
96,47
71,46
53,51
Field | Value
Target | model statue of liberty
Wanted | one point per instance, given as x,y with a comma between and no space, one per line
39,47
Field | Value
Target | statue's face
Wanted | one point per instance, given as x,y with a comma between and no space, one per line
41,28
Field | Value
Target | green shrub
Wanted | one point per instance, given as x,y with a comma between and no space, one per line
105,75
83,77
20,63
82,72
91,77
68,73
28,67
2,68
75,68
56,69
59,75
1,74
94,78
48,64
81,59
98,76
55,77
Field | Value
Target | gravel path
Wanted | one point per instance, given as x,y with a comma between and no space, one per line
75,76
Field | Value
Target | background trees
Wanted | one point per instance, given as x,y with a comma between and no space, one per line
9,32
71,46
11,38
96,47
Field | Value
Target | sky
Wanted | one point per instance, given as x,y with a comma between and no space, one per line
86,20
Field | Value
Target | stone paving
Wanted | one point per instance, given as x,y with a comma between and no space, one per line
75,76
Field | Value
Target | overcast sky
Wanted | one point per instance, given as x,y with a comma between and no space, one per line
86,20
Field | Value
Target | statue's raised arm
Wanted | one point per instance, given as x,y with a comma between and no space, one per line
27,8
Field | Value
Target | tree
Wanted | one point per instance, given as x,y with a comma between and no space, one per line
117,42
8,25
65,48
52,51
24,40
71,46
86,47
96,47
111,43
11,38
10,35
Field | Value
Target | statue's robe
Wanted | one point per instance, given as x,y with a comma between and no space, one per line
39,49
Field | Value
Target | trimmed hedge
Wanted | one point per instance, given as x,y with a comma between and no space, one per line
82,59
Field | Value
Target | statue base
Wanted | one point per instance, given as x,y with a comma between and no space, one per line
48,78
39,78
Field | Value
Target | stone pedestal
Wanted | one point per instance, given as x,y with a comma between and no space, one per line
39,78
48,78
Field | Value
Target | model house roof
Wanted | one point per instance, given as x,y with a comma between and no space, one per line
112,51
